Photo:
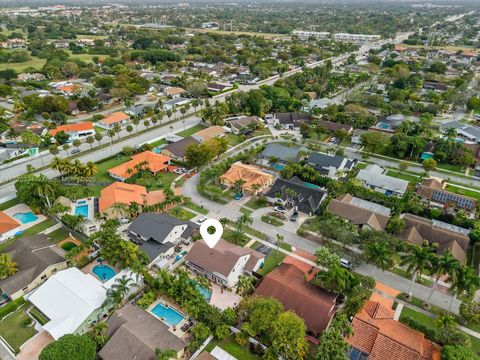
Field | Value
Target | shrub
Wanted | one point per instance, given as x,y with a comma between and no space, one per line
72,347
11,307
431,334
146,300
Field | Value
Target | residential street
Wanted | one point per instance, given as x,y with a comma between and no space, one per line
232,211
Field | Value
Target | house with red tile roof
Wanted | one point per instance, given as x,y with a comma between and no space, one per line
287,284
122,193
376,335
148,159
110,120
8,226
75,131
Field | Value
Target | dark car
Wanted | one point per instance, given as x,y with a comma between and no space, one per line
294,216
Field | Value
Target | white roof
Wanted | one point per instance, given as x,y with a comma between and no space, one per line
68,298
372,175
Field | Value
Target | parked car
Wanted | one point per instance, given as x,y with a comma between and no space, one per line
280,209
74,151
346,264
294,216
201,220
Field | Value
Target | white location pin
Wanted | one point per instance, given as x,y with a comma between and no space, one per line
211,239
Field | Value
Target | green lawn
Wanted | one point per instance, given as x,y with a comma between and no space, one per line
233,139
406,275
255,204
102,174
271,220
272,260
450,167
230,345
14,330
159,142
424,319
191,131
58,235
246,211
197,208
361,165
182,214
42,319
464,192
19,67
255,233
404,176
9,204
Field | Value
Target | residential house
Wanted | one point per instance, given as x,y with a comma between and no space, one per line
75,130
173,92
134,333
139,109
209,133
372,177
279,154
305,198
68,89
224,263
215,87
446,236
177,149
242,125
37,259
154,162
122,193
330,165
376,335
73,107
157,234
363,213
30,77
469,134
174,103
321,104
116,118
433,191
434,86
255,180
287,284
333,126
71,300
106,99
8,226
290,121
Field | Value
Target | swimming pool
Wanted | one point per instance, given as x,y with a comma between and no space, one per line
81,210
167,314
383,125
81,202
25,218
206,293
278,167
311,186
103,272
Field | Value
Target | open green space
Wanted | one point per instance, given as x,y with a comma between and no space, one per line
245,211
9,204
271,220
37,315
256,203
190,132
36,229
14,328
404,176
159,142
233,348
272,260
256,233
182,213
103,166
450,167
58,235
422,318
197,208
233,139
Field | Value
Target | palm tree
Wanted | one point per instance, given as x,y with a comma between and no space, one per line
120,208
65,148
466,283
123,285
165,354
417,259
111,135
98,137
99,332
335,278
442,265
90,140
203,282
77,143
378,254
44,189
90,169
7,266
117,128
56,164
245,285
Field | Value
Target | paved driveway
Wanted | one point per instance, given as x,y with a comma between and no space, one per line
32,349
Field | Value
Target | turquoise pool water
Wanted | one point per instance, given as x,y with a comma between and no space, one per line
81,210
168,315
25,218
81,202
103,272
311,186
278,167
383,125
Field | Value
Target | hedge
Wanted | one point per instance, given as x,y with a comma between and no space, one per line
430,333
11,307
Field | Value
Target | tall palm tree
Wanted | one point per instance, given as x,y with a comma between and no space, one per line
203,282
44,189
56,164
417,259
378,254
123,285
245,285
335,278
90,169
442,265
466,283
7,266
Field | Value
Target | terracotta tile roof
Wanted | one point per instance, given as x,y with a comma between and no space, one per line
155,162
158,196
70,128
418,229
119,192
69,88
7,223
251,174
376,333
314,304
209,133
355,214
114,118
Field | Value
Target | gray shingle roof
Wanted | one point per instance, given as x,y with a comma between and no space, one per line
281,152
324,160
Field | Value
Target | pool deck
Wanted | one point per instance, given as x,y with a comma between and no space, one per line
23,208
91,207
88,269
177,330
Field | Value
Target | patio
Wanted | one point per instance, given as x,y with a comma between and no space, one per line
32,348
25,223
223,299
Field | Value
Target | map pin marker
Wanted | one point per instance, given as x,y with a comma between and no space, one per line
211,239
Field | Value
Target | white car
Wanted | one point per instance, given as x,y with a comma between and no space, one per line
280,209
201,220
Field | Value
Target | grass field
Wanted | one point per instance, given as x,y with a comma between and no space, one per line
9,204
197,208
230,345
34,230
271,220
190,132
58,235
14,330
102,174
272,260
404,176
